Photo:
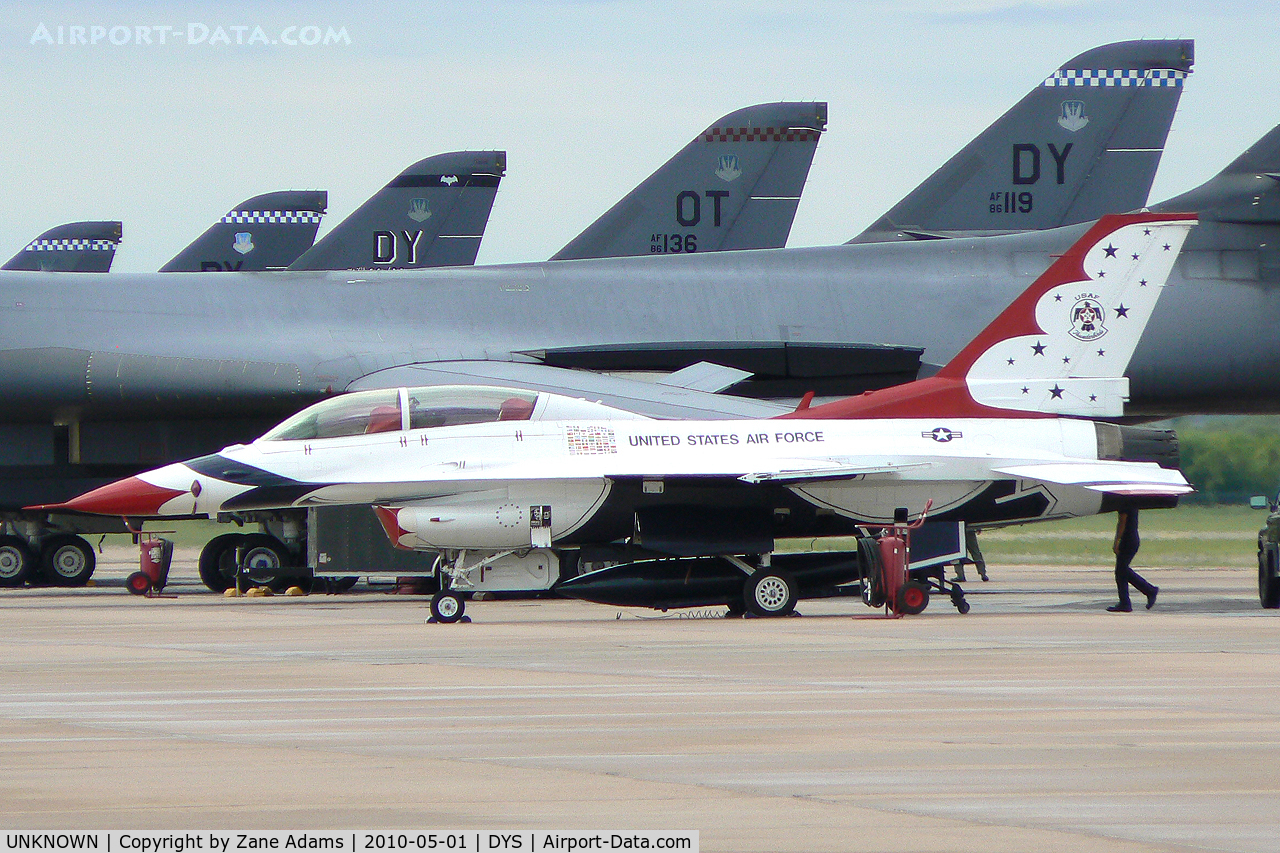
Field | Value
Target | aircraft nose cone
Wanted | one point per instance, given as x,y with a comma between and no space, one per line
124,497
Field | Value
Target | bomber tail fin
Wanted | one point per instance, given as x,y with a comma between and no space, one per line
1246,192
1084,143
1062,347
262,233
74,247
433,214
735,186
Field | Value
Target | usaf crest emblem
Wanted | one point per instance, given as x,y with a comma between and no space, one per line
728,169
1073,117
243,242
418,210
1086,319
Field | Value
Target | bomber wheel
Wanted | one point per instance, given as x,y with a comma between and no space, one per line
138,583
769,592
218,561
447,606
67,560
912,599
1268,583
267,560
16,561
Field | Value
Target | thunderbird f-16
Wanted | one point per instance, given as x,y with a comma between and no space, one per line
106,376
1000,435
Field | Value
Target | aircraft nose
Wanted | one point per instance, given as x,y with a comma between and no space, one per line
131,496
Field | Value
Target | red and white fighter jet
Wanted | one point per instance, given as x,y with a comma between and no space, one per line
1002,434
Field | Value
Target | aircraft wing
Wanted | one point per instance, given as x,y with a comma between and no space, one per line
1116,478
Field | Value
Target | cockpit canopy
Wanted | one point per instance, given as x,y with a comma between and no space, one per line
394,409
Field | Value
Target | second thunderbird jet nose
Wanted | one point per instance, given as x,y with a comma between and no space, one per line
132,496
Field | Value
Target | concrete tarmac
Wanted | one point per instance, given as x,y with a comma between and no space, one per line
1036,722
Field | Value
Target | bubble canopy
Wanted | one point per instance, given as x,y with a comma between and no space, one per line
395,409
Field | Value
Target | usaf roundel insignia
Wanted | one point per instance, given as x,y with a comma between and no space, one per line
942,434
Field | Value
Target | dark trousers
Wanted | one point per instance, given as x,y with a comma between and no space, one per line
1126,576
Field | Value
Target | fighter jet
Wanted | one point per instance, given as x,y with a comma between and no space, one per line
265,232
1000,435
112,375
74,247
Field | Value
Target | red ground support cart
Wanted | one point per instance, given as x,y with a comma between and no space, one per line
155,555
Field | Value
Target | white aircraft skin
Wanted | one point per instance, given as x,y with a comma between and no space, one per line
1007,410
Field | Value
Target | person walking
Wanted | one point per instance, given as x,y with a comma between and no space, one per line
1125,547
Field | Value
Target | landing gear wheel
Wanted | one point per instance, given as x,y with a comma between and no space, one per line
267,560
67,560
770,592
447,607
16,561
1268,583
218,562
912,599
138,583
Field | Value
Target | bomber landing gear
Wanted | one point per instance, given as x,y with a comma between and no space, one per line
16,561
67,560
265,559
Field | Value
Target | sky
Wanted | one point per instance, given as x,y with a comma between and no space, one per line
586,97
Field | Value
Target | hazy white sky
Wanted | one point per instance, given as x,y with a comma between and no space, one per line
586,97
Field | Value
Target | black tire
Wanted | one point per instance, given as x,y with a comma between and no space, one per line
1268,583
769,592
267,561
218,561
447,607
912,598
962,606
138,583
16,561
67,560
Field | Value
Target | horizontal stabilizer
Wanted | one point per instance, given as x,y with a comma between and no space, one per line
1084,143
266,232
433,214
735,186
1118,478
74,247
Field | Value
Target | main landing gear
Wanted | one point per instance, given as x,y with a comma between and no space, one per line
60,559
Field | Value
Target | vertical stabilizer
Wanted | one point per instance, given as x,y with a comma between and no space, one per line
433,214
1062,347
1084,143
736,186
74,247
265,232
